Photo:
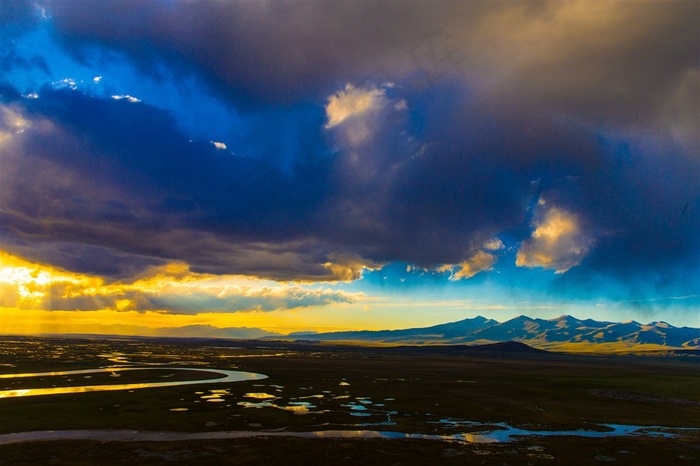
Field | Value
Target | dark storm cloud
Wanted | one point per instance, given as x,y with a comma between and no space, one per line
469,114
131,152
78,257
471,175
256,52
646,206
607,61
117,174
105,173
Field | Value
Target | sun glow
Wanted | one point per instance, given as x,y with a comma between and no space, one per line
24,283
37,298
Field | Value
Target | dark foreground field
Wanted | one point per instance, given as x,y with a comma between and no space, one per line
314,389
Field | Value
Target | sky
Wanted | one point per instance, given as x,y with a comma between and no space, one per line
307,165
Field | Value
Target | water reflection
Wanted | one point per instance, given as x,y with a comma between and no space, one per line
354,407
616,430
223,376
215,396
259,396
296,407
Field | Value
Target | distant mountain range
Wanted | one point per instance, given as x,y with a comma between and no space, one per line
209,331
565,333
559,333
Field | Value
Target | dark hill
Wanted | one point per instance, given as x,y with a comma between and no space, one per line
512,347
506,347
454,330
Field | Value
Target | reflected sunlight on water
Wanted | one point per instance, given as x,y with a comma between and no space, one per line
483,437
259,396
223,376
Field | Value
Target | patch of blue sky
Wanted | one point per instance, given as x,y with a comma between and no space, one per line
508,291
105,73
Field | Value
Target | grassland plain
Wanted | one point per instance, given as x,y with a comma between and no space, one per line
315,388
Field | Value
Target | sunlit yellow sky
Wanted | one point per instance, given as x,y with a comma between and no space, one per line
40,299
44,299
175,167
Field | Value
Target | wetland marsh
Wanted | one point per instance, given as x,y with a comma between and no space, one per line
391,406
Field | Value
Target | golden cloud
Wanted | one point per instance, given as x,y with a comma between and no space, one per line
558,242
478,261
348,268
353,102
170,288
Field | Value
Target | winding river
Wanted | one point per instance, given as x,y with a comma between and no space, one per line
501,433
223,376
497,436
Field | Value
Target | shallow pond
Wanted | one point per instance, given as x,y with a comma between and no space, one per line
356,406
